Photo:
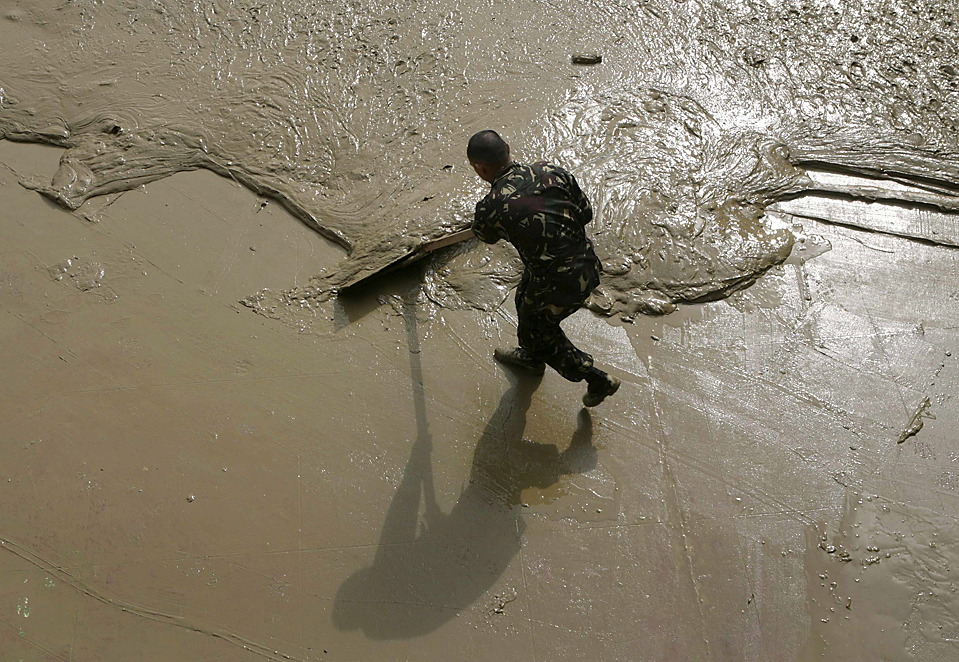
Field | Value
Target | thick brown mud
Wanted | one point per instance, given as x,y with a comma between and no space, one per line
354,117
185,480
776,191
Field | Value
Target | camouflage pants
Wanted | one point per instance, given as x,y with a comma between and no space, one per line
541,305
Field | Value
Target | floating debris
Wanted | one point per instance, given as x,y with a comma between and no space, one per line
500,601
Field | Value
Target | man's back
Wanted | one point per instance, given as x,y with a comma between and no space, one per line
540,209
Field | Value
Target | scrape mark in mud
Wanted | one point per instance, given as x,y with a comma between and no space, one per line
139,610
879,205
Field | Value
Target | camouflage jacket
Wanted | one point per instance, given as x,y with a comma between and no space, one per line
541,210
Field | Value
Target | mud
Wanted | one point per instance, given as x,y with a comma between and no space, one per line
354,118
894,563
352,477
185,479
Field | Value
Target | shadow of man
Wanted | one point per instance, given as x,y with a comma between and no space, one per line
425,572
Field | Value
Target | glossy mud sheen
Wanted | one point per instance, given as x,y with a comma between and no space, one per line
352,477
355,116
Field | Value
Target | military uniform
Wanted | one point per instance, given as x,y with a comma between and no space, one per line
541,210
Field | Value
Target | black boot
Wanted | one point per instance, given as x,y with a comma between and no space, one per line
601,386
518,357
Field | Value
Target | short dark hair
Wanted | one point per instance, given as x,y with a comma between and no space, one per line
487,147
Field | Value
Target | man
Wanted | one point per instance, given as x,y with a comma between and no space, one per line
542,212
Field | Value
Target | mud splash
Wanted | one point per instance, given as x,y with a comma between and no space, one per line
84,275
354,117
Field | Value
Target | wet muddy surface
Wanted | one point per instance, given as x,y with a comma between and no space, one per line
210,453
354,118
881,582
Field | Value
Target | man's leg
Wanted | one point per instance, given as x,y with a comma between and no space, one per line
518,356
542,338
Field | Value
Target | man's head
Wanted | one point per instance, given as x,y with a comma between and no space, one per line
488,154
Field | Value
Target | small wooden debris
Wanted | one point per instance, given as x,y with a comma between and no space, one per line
587,58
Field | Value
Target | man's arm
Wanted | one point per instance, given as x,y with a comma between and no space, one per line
486,226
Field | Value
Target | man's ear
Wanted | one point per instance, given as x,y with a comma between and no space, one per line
481,169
